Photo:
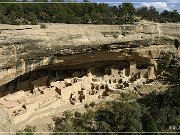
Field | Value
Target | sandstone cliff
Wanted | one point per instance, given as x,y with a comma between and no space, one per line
28,47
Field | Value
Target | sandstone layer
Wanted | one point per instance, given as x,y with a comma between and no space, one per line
26,48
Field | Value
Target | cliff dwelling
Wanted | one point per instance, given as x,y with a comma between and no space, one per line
71,85
47,70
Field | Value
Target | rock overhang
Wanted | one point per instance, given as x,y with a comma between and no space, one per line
26,48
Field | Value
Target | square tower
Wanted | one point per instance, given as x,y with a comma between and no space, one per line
132,68
151,74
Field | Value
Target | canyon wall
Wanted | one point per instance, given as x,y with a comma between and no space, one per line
26,48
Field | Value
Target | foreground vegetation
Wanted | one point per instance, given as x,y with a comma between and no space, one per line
154,112
93,13
27,131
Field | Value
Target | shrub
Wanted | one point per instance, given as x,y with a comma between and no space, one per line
27,131
77,114
123,33
31,19
176,44
115,35
165,61
67,115
92,104
43,26
86,106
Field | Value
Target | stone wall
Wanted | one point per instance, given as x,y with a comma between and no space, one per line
170,30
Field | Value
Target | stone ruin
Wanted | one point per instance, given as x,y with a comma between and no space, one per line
21,97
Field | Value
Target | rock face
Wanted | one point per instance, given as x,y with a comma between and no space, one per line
27,48
4,121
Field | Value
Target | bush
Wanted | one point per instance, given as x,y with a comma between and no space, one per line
27,131
165,61
31,19
67,115
123,33
92,104
77,114
176,43
86,106
43,26
115,36
128,96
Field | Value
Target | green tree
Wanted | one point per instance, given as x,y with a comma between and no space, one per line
127,12
7,0
27,131
40,0
165,16
57,0
121,117
31,18
103,127
176,44
175,17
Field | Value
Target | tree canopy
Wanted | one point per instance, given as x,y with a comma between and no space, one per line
77,13
152,113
